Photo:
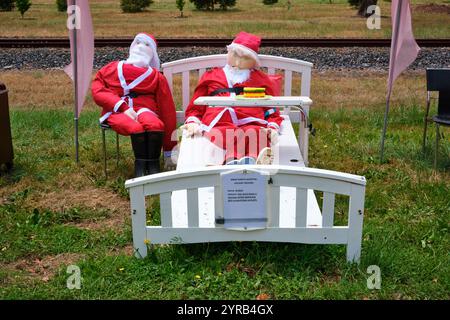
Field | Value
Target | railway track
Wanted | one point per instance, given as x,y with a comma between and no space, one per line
216,42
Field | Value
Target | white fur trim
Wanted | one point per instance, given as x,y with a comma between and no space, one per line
142,110
274,124
193,119
118,104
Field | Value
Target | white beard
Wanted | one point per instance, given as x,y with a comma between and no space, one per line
235,75
140,57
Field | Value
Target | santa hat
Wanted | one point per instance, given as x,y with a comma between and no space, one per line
149,39
248,44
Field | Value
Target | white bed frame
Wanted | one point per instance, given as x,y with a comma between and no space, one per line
191,200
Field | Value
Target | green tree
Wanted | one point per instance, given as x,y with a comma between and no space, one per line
61,5
209,4
130,6
362,11
6,5
23,6
180,6
362,6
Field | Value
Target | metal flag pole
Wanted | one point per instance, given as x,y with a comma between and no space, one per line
397,26
75,79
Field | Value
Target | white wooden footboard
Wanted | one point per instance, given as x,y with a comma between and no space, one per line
298,225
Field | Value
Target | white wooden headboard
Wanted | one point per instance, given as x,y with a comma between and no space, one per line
272,63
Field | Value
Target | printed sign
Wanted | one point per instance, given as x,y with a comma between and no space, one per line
244,200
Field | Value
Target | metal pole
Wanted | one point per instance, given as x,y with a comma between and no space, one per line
75,79
397,26
383,136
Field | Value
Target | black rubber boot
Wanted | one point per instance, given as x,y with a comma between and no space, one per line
139,144
154,145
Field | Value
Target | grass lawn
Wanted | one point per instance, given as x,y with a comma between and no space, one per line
306,18
54,213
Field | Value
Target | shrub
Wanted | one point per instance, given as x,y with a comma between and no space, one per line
134,5
61,5
6,5
180,6
209,4
269,2
23,6
364,4
224,4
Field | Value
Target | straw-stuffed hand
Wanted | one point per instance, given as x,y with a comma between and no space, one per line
169,163
272,133
192,129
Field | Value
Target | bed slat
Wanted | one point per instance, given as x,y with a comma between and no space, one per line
301,205
165,201
185,89
192,207
328,209
275,207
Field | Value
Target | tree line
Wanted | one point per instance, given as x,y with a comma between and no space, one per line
130,6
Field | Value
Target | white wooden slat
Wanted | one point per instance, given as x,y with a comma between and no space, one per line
201,71
328,209
192,206
303,134
218,204
271,70
301,206
306,83
314,217
355,223
315,183
206,207
287,82
180,117
138,221
185,90
179,209
169,76
334,235
180,184
216,60
195,63
274,196
214,172
165,204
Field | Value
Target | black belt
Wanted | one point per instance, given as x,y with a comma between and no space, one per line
237,90
132,95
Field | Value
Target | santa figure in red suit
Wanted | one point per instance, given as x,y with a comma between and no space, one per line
137,102
243,133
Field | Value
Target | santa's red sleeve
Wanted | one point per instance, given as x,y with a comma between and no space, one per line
106,98
167,113
194,113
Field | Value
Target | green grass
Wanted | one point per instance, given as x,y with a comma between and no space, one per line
406,223
306,18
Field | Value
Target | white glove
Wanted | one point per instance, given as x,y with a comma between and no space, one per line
192,129
131,113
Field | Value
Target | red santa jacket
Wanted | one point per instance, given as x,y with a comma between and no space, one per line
208,116
116,80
